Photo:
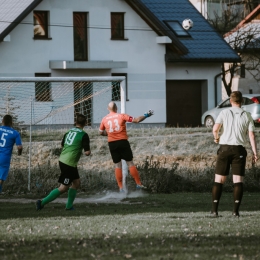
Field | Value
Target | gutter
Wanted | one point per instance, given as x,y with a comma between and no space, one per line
215,87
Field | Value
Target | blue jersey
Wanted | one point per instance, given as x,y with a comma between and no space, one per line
8,137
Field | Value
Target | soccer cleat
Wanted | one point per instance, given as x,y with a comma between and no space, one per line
122,191
140,187
39,205
235,214
213,214
72,208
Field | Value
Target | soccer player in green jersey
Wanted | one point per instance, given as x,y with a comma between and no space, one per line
73,142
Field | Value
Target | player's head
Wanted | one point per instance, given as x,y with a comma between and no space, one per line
81,120
112,107
236,97
7,120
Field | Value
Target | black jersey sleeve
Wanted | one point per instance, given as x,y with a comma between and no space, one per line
85,142
63,140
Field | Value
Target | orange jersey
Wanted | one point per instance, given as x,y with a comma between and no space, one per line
115,126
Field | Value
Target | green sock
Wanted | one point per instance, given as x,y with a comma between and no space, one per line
71,197
52,196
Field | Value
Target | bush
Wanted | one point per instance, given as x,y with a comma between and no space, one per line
155,175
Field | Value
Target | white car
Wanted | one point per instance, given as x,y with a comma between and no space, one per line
251,104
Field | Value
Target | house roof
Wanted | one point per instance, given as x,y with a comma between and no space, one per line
12,12
205,44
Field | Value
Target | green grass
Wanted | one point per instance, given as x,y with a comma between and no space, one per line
159,226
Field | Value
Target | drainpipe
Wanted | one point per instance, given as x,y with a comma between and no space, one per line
215,87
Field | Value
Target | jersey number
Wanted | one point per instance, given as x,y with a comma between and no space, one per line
70,138
3,140
113,127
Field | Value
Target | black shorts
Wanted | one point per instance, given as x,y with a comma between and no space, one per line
231,155
120,150
68,174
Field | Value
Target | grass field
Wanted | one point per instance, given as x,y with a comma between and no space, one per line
152,226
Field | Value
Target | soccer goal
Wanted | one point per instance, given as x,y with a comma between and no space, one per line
47,105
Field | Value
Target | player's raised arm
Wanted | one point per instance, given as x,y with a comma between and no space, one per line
142,118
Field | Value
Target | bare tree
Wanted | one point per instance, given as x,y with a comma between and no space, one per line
244,39
8,107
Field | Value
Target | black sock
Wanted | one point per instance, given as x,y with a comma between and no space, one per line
216,194
238,195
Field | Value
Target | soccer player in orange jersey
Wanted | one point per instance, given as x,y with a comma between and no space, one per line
114,127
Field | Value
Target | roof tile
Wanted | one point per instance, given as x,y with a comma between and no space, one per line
205,43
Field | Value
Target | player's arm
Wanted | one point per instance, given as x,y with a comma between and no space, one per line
215,132
217,126
103,132
18,143
63,140
85,144
142,118
20,149
102,129
252,138
253,145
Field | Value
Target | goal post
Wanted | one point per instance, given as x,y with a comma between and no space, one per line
53,102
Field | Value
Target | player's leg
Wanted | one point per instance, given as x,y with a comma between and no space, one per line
1,186
217,192
73,189
116,157
119,175
237,193
4,170
65,182
54,194
222,170
127,155
238,171
134,173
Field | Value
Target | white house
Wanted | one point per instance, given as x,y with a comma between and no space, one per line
168,69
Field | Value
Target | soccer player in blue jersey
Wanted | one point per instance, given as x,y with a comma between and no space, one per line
8,137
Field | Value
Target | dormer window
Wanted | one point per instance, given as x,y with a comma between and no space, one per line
176,27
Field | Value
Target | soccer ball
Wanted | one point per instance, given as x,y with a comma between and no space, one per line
187,24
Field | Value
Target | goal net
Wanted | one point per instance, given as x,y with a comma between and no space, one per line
44,108
54,102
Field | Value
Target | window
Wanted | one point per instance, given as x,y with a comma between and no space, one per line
226,104
41,24
248,101
116,89
176,27
117,26
80,36
43,89
83,95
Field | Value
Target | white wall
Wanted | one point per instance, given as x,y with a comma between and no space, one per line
24,56
197,71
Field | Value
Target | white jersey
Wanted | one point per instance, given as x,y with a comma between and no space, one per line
236,123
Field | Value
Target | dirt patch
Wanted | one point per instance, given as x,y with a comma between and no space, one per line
110,197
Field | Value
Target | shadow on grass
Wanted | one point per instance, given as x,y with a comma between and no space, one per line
152,203
160,246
